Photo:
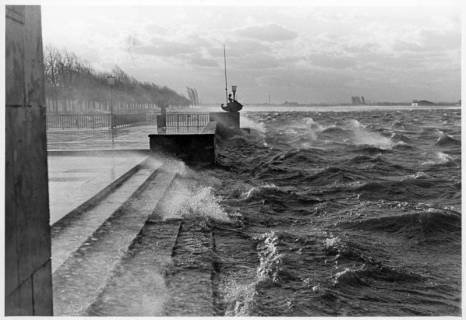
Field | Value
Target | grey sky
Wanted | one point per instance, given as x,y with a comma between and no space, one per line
305,54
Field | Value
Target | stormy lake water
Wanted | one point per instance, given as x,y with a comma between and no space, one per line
315,212
341,213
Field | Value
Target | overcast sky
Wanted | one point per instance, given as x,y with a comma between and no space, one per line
304,54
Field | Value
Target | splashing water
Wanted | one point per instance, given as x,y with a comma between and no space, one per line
269,257
311,123
240,297
187,200
255,191
314,127
363,136
331,243
440,158
443,157
249,123
176,166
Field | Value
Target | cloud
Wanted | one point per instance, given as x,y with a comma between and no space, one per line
432,40
307,78
360,47
270,32
256,61
164,48
154,28
201,61
239,48
330,61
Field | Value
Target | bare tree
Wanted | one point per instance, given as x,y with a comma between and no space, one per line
72,85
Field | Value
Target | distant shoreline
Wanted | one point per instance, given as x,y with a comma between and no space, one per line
381,104
320,108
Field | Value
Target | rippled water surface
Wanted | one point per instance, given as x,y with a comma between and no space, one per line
340,213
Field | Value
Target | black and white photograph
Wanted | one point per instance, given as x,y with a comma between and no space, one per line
232,158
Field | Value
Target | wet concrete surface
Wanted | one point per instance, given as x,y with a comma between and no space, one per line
75,179
134,137
69,235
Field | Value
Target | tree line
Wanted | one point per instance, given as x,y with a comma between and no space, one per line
72,85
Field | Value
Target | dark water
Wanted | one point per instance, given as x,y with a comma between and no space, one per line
341,213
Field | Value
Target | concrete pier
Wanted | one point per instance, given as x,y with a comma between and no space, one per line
190,144
190,136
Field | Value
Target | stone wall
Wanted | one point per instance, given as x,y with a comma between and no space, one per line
28,284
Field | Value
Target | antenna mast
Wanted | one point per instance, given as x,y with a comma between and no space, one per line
226,82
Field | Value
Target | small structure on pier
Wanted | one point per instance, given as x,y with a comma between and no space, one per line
232,105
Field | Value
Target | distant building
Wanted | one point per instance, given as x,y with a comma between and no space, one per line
356,100
291,103
416,103
193,96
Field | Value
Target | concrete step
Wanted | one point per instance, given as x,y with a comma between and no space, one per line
80,279
70,232
189,282
138,286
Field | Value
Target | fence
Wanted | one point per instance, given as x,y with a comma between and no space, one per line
84,106
187,120
97,120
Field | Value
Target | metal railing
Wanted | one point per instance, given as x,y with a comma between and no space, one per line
180,120
97,120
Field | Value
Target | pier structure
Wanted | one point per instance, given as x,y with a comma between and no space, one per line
191,136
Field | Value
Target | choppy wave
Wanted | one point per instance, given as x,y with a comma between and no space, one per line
446,140
335,131
408,189
372,150
440,158
335,175
430,223
398,137
364,274
257,192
